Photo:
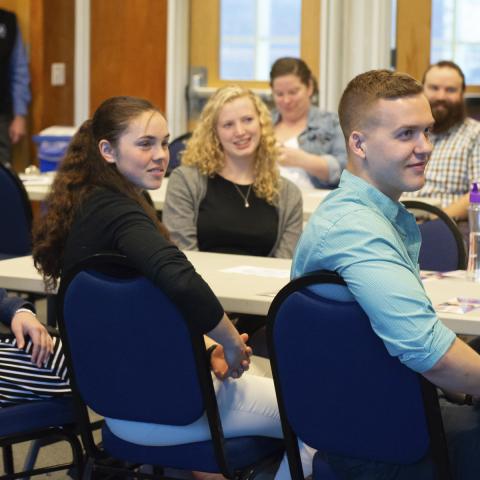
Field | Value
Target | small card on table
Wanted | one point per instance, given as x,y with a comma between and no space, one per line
459,305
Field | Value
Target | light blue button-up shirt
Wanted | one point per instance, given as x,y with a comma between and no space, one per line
373,242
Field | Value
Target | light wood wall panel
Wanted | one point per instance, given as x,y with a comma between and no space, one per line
128,50
413,36
52,41
310,40
205,38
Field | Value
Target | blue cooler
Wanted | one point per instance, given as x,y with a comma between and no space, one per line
52,144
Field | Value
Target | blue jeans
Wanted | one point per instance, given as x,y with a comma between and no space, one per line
462,428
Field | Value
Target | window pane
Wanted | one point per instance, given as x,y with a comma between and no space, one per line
456,35
254,33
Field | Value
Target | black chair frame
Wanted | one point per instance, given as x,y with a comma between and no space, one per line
119,266
23,193
438,442
177,146
432,209
47,436
41,438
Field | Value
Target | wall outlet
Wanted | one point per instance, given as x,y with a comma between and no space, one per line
58,74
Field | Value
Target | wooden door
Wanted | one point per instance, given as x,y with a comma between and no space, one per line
128,50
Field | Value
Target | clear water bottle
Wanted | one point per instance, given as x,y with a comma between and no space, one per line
473,268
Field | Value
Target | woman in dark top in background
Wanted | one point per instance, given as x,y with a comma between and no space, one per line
228,196
97,205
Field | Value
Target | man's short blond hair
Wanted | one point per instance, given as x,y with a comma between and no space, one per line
365,89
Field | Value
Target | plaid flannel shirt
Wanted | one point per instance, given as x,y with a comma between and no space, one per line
454,163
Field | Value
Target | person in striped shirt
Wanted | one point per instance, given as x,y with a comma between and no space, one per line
32,365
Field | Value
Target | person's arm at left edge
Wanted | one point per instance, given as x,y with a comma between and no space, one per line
20,89
20,316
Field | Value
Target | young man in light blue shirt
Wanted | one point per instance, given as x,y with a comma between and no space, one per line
364,233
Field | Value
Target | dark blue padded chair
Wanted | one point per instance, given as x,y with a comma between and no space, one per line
45,422
176,147
15,239
338,388
131,356
443,248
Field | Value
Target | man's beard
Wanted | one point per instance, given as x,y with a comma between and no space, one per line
447,117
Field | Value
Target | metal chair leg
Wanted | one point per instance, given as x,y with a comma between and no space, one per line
7,453
88,469
32,454
78,457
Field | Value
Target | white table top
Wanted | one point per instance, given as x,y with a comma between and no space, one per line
237,292
443,289
252,293
38,187
241,292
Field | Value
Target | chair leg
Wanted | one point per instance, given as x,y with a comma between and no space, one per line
77,454
7,453
32,454
88,469
78,459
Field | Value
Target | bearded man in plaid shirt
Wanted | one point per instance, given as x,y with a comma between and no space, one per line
455,160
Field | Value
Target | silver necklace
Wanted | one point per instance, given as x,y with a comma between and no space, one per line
245,197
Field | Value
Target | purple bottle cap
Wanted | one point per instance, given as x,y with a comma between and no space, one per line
474,193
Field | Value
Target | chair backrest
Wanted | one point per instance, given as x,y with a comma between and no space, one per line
16,220
443,248
131,356
338,388
129,349
176,147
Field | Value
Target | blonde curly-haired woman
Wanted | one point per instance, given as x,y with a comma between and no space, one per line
228,195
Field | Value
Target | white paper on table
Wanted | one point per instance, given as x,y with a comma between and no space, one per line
430,274
258,271
459,305
455,274
36,179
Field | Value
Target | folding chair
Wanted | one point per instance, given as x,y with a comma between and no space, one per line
442,247
45,422
176,147
15,239
338,388
120,331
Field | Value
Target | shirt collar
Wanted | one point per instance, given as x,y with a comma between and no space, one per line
371,196
394,211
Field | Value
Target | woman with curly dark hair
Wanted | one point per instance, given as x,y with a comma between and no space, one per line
96,205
